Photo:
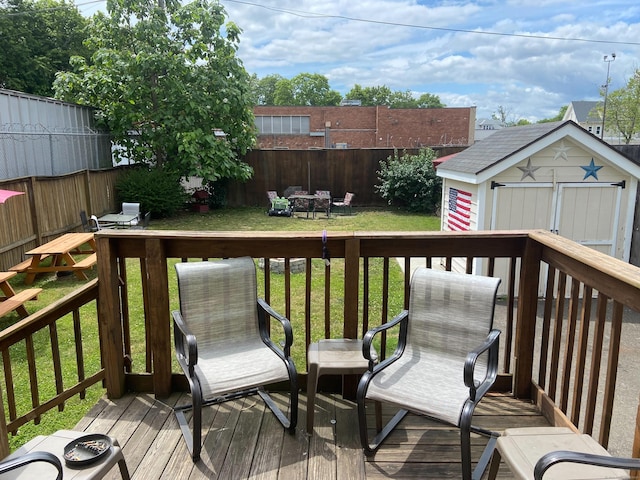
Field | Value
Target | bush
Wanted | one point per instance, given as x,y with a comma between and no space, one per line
410,181
157,191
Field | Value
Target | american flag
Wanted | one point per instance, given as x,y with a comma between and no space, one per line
459,209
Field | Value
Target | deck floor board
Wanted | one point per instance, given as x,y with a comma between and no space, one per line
242,439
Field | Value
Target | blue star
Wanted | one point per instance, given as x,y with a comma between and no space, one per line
591,170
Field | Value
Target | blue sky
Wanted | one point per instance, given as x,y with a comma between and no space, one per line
529,56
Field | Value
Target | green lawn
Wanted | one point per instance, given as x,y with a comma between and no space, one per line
231,219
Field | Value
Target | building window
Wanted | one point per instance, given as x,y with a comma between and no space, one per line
590,129
598,130
282,124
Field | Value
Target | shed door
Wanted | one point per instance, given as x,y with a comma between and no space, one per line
589,214
518,206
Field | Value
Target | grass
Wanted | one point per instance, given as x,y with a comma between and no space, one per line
230,219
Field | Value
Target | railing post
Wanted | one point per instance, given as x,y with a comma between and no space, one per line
157,296
635,451
109,318
526,321
351,286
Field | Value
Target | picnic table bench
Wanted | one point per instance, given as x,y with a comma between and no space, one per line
62,249
14,301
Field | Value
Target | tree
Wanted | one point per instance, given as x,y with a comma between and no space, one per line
169,75
382,95
309,89
623,109
38,38
558,117
264,89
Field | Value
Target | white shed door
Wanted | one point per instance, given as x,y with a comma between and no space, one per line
587,213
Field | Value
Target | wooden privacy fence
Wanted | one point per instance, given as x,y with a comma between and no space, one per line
51,206
336,170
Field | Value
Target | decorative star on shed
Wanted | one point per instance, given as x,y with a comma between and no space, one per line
528,171
561,151
591,170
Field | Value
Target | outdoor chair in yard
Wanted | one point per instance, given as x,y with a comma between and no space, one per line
343,204
445,361
131,209
323,201
223,345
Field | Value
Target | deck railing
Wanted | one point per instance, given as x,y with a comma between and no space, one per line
44,341
563,303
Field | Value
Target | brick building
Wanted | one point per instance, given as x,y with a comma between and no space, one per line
363,127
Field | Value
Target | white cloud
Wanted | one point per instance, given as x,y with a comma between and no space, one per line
532,77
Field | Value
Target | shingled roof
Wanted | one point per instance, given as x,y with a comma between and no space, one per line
497,147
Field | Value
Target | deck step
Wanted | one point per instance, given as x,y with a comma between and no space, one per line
12,303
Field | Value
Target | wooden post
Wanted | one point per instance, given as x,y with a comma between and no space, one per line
109,318
526,321
4,434
157,296
351,288
635,451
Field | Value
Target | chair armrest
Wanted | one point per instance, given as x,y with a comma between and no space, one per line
265,309
552,458
184,338
31,457
491,343
367,340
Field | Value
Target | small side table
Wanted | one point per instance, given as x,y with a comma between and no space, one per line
521,448
55,444
339,356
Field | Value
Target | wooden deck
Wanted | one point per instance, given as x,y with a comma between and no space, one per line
242,440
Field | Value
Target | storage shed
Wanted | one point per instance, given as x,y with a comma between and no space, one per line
554,176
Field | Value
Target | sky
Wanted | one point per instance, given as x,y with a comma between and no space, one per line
530,57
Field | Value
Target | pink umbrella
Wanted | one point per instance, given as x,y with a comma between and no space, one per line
4,194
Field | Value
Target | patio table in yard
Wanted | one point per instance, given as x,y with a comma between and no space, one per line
62,250
120,220
14,301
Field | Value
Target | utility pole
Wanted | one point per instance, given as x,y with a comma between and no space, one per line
606,91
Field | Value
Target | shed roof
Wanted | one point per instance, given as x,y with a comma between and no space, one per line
510,145
503,143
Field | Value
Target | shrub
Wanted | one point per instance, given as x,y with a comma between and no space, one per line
410,181
157,191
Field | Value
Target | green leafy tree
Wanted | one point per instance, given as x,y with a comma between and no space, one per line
370,96
382,95
38,38
623,109
169,74
310,89
410,181
264,89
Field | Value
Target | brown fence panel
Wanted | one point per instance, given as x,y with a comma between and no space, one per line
336,170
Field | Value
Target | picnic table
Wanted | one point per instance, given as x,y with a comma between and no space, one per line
62,249
14,301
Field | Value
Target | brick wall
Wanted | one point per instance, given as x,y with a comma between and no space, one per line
374,127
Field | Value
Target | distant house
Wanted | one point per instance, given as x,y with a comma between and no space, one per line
352,126
487,126
584,113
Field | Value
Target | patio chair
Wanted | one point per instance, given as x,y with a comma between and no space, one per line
445,361
131,209
343,203
323,201
223,345
300,204
144,224
12,464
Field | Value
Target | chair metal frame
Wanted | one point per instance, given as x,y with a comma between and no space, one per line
11,464
187,354
552,458
477,389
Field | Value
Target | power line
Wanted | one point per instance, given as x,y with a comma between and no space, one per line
303,14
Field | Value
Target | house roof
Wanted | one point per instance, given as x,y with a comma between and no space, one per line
583,109
508,146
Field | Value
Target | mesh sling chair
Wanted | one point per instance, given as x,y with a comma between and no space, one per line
445,361
222,342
